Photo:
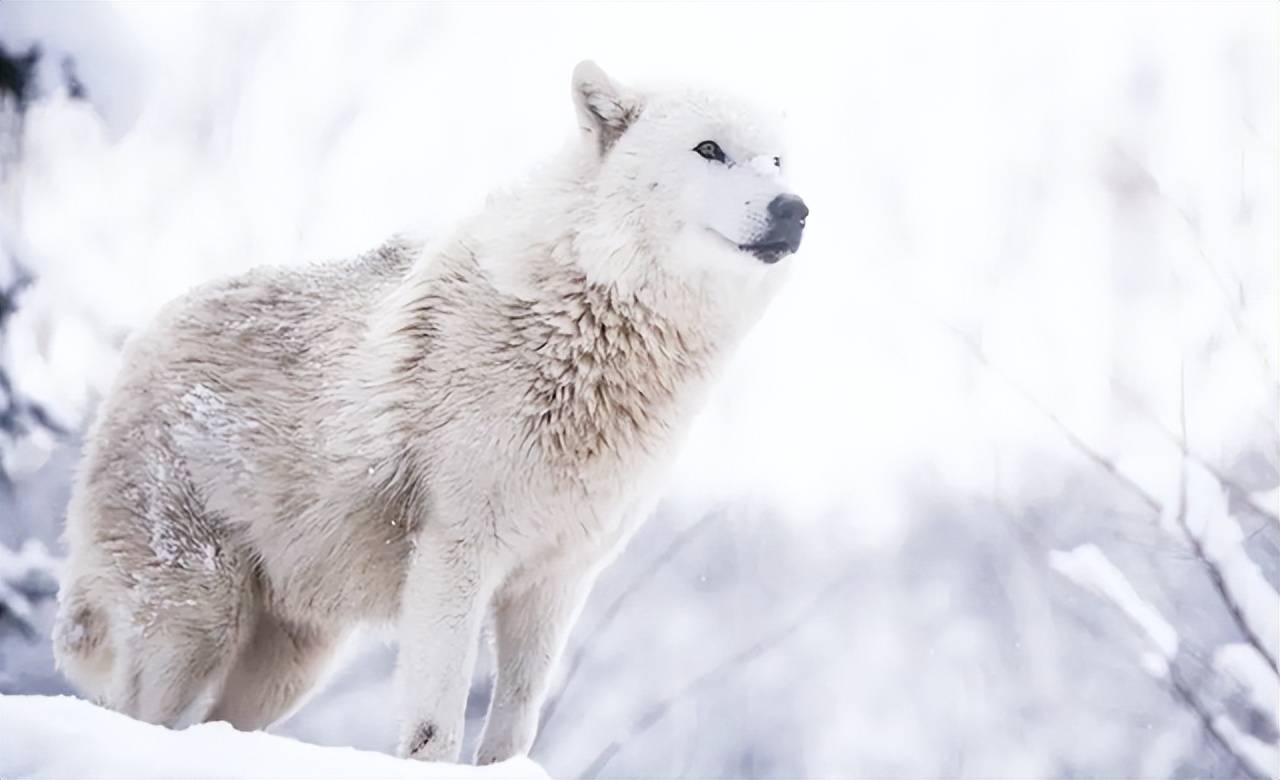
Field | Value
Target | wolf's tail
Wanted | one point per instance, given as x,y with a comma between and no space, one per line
80,641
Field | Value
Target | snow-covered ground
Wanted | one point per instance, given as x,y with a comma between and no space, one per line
63,737
991,492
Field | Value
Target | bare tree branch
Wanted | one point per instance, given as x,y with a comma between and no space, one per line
1181,443
779,634
1082,447
611,612
1183,694
1233,310
1197,546
1214,573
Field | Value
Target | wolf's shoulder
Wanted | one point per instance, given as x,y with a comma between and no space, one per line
292,318
292,291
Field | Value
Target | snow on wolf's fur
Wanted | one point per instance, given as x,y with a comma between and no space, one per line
424,434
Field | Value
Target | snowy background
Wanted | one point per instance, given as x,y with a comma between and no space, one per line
991,491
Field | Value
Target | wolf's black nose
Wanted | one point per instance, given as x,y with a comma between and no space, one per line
789,208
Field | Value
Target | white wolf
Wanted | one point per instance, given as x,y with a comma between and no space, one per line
425,435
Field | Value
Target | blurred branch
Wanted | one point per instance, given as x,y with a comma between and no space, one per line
1082,447
1232,304
611,612
778,635
18,72
1197,544
1089,568
1214,573
17,610
18,413
1181,443
1183,694
27,576
9,296
1233,308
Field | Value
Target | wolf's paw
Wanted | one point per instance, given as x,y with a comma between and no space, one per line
486,757
427,742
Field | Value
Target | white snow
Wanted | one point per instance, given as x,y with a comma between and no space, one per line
1088,567
61,737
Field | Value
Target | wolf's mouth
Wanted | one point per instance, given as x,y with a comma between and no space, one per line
770,251
781,239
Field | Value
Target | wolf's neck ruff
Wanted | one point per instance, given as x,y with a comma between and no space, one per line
610,371
605,370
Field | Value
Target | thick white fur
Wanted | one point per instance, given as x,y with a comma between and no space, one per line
423,435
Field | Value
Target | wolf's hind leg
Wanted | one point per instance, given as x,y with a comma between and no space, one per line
82,642
147,637
272,671
163,675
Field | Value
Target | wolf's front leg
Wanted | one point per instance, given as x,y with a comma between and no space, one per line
531,626
442,608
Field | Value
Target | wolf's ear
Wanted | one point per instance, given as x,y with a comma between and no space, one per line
605,110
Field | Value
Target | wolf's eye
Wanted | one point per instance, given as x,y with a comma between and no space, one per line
710,150
777,162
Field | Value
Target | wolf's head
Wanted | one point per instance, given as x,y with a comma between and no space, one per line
700,175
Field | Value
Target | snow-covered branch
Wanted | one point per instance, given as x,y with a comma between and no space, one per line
1088,567
25,576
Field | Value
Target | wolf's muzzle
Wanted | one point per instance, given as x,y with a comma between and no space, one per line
787,214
